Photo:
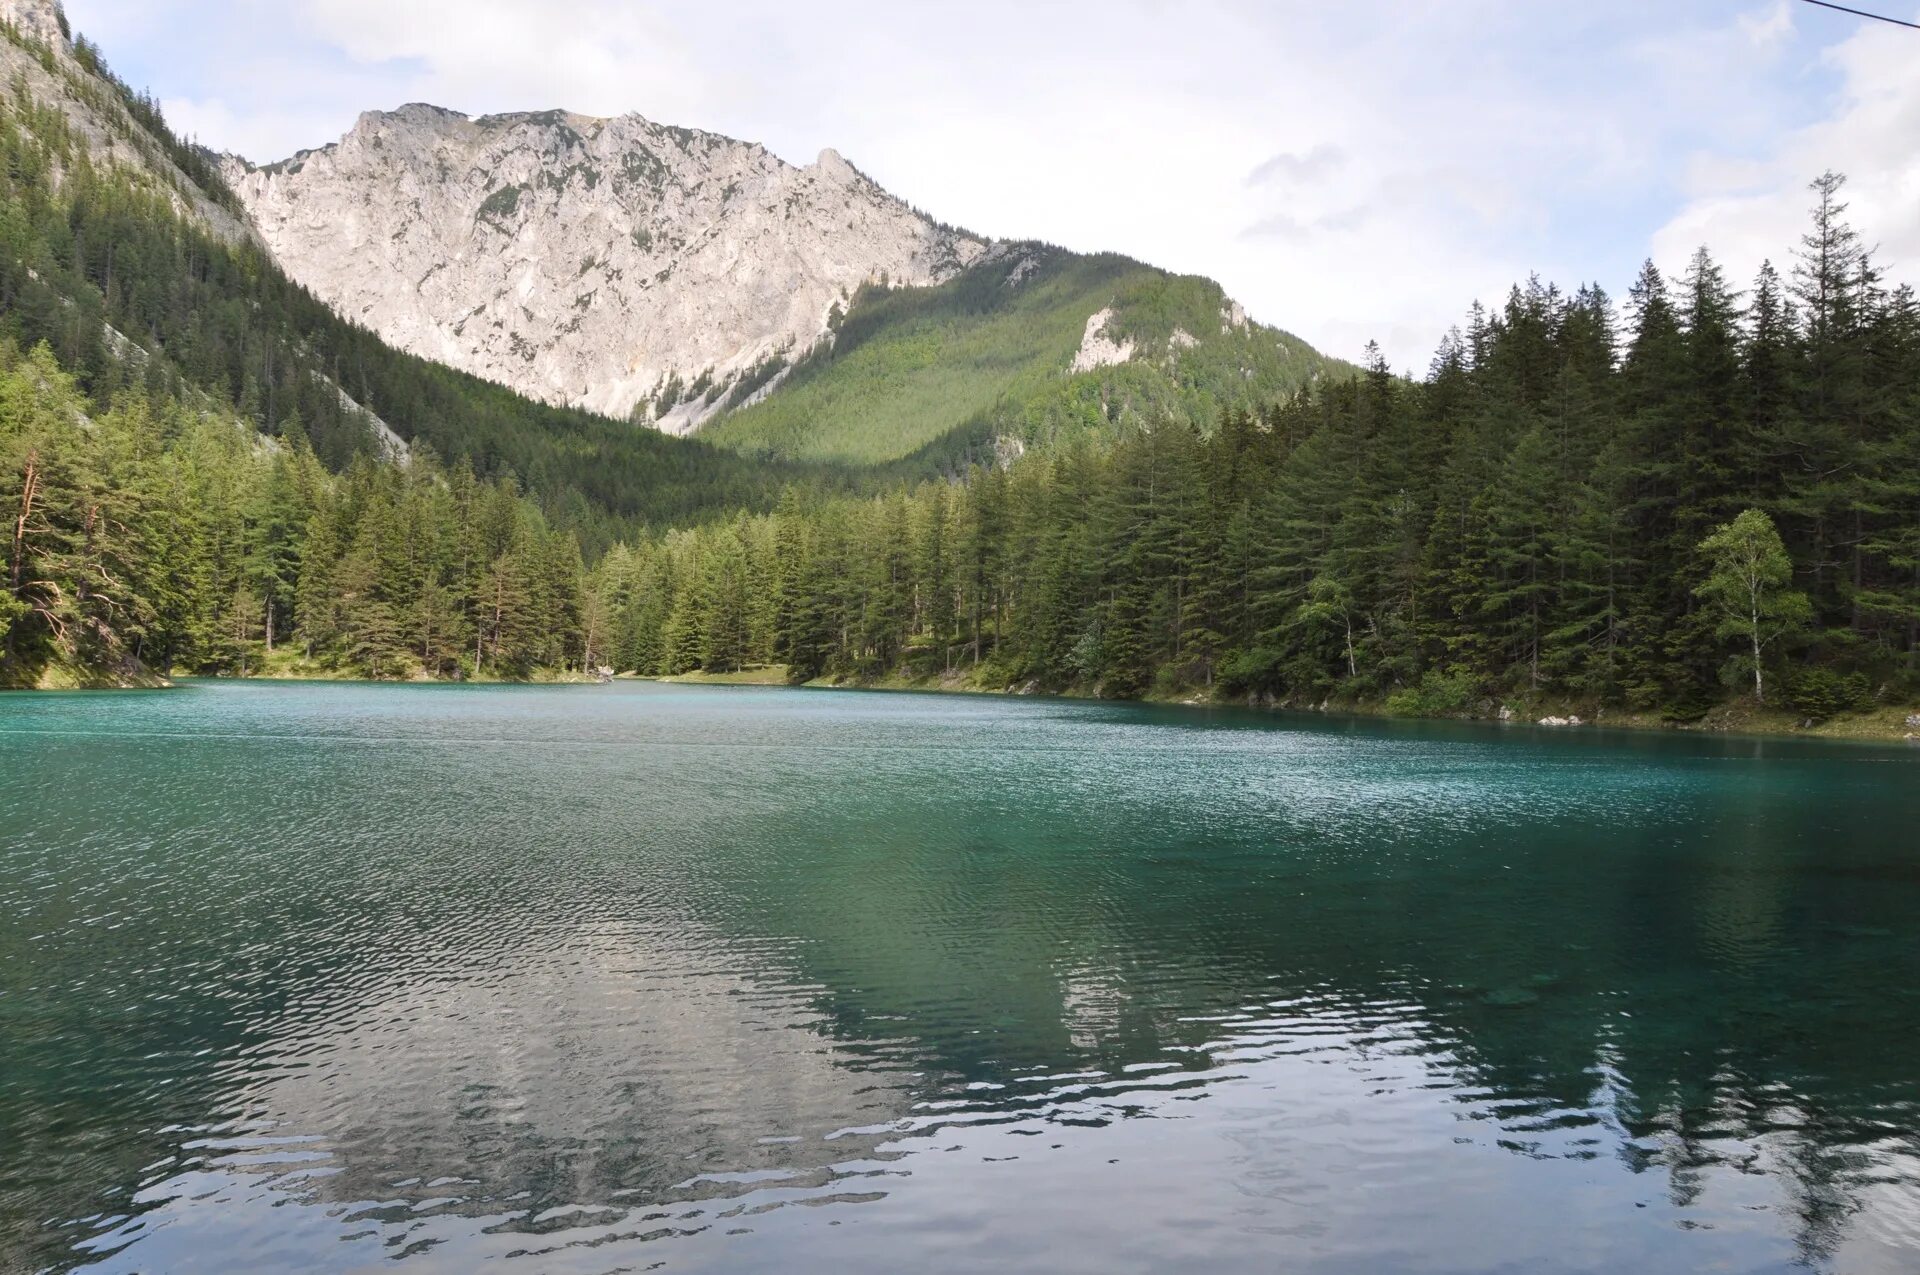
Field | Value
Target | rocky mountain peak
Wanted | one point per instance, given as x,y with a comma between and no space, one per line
99,117
421,115
833,168
619,265
42,20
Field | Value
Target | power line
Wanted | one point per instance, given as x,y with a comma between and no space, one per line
1862,13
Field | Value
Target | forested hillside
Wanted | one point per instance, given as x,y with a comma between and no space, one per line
1536,519
102,263
1703,494
188,452
1000,355
155,535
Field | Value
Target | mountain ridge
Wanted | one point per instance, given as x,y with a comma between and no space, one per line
687,280
126,253
120,127
1022,349
616,264
676,278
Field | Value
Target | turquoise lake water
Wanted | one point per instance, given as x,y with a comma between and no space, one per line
345,978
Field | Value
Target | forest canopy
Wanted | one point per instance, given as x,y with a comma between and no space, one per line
1536,518
1704,492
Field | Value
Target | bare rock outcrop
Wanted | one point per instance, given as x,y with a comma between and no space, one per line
99,113
42,20
623,266
1098,349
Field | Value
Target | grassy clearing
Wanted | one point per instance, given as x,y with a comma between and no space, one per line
64,676
761,675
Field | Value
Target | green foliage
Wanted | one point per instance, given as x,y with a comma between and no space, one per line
156,536
1437,695
757,378
941,372
1747,584
1820,693
1252,672
1559,510
501,204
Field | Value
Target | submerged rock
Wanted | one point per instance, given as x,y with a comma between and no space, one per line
1510,996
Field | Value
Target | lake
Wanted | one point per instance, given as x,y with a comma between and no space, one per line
586,979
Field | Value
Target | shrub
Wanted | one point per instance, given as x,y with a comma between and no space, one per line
1820,693
1438,695
1250,672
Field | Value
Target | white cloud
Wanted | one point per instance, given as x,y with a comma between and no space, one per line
1770,26
253,133
595,56
1348,172
1748,210
1287,167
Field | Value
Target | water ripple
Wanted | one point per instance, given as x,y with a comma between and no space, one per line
318,978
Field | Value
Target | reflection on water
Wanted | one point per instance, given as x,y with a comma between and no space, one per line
596,979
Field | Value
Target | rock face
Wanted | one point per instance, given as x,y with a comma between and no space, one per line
1097,348
41,20
98,114
618,265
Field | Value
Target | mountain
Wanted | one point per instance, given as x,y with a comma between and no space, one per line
690,281
114,126
126,252
1029,343
203,467
621,266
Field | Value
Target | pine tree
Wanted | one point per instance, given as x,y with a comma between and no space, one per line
934,569
721,629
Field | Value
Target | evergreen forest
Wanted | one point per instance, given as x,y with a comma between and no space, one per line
1709,490
1649,506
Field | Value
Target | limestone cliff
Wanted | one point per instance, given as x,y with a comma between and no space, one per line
39,55
614,264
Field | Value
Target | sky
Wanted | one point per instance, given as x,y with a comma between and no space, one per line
1350,170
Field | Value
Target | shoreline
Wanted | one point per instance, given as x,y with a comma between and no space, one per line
1893,724
1733,718
59,679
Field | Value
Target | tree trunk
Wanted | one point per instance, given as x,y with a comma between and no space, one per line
27,493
